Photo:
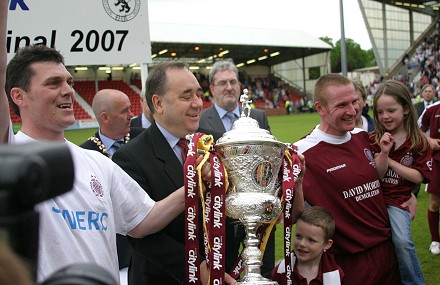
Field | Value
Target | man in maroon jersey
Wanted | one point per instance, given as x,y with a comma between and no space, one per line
341,177
431,121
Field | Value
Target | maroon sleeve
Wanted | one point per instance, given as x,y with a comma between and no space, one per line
423,164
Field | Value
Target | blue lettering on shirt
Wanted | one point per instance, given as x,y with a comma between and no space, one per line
13,5
81,220
93,220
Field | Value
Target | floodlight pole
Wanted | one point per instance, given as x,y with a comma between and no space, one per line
343,48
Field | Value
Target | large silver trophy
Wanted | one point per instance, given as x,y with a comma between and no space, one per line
252,158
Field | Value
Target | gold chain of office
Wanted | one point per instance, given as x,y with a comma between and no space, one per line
102,147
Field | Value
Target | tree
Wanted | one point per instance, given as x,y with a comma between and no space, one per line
356,56
328,40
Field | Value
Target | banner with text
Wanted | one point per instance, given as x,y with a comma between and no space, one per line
86,32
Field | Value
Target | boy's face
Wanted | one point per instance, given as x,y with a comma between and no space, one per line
309,242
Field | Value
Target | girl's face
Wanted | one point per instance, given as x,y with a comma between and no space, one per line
391,114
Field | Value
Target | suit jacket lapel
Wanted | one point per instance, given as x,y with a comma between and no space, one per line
214,120
164,153
137,122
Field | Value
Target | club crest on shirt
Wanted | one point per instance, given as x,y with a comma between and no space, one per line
370,157
96,186
407,160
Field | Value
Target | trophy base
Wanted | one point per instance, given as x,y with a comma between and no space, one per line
258,280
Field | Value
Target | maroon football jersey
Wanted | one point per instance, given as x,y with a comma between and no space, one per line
431,121
341,177
396,189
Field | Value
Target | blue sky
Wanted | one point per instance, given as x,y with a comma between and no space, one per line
316,17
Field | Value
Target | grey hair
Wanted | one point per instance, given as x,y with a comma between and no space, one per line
221,66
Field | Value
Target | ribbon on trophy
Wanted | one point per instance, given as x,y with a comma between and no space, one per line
213,209
192,190
291,170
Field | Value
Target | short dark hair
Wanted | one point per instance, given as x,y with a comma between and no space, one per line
326,80
156,82
319,217
19,71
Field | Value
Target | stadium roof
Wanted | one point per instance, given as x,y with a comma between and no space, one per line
416,2
430,7
201,44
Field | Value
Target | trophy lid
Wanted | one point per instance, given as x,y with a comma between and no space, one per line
246,129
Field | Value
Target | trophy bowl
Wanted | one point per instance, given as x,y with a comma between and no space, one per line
252,158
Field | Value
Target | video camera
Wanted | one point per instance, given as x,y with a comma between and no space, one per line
30,174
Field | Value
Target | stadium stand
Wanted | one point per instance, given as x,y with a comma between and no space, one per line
137,83
420,66
270,94
14,117
86,89
80,113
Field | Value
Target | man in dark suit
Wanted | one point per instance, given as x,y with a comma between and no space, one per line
154,160
428,97
112,111
226,90
145,119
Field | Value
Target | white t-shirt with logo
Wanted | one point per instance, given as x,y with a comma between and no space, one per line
81,225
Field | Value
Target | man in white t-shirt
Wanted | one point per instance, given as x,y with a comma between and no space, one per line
81,225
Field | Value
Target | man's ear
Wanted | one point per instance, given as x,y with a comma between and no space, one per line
318,106
157,103
104,116
17,95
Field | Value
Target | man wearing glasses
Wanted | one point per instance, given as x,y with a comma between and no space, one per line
226,90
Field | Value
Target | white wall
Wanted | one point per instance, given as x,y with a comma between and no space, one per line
292,70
